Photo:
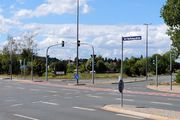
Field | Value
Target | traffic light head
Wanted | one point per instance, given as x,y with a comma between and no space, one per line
62,43
78,43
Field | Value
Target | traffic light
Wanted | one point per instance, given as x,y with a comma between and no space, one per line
78,43
62,43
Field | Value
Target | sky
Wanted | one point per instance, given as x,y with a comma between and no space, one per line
102,24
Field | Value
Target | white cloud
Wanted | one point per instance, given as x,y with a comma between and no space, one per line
105,38
58,7
6,24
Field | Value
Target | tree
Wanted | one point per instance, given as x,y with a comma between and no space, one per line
170,13
100,67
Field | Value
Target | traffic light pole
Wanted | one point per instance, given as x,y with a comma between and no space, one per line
77,58
47,57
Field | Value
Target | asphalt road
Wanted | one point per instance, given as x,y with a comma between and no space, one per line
20,101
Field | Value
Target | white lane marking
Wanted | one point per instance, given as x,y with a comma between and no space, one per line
21,88
55,95
130,100
173,99
51,91
130,116
16,105
10,100
8,86
129,95
69,93
162,103
82,108
94,96
49,103
26,117
34,90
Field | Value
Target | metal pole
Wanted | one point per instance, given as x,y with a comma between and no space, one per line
157,72
147,52
122,99
47,64
32,66
147,61
11,59
77,58
122,60
93,65
171,71
24,68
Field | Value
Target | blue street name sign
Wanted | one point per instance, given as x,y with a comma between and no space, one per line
131,38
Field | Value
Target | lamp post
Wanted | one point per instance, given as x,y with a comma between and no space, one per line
147,61
77,57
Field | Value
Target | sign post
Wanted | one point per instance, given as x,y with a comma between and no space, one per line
121,82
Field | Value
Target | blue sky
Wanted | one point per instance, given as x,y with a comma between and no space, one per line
101,12
102,23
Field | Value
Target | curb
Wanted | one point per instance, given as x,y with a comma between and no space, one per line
135,113
153,87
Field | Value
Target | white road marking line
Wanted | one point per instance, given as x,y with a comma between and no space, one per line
8,86
51,91
129,95
173,99
130,100
22,116
10,100
69,93
21,88
89,95
130,116
87,109
34,90
49,103
162,103
16,105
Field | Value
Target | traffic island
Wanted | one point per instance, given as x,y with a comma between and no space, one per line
150,113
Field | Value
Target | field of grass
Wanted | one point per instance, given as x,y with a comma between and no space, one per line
67,76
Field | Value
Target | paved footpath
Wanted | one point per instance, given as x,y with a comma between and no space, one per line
150,113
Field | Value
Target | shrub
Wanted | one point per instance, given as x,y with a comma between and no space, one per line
178,77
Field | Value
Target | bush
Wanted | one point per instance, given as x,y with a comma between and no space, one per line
178,77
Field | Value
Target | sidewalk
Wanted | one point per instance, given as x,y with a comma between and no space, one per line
150,113
165,88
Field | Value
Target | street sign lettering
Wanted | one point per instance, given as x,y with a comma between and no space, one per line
131,38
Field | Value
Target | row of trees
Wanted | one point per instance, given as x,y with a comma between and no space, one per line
21,63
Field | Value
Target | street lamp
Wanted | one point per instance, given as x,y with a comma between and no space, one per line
147,61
